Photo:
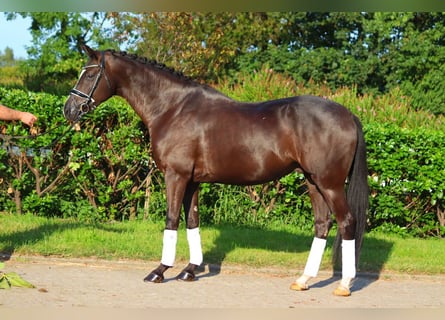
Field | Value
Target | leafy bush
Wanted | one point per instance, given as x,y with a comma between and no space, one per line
393,107
96,172
31,165
405,167
11,76
102,171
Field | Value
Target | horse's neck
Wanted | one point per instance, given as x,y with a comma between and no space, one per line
153,94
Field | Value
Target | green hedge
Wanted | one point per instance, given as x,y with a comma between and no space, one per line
406,168
96,172
103,172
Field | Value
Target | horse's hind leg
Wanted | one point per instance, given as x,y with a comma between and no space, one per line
323,224
336,199
193,236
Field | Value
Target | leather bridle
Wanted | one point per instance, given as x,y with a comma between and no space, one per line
89,104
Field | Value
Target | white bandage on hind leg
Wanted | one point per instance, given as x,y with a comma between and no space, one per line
348,262
194,240
169,247
315,256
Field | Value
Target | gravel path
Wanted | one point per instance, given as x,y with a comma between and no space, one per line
118,284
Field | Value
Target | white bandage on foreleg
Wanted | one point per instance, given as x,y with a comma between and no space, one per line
169,247
194,240
315,256
348,259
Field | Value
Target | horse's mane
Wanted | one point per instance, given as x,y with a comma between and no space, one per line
152,63
160,66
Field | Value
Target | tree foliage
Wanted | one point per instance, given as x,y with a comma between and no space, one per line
203,45
372,51
55,56
7,57
9,70
375,52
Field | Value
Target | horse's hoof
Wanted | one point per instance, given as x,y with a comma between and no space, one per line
186,276
153,277
342,292
299,287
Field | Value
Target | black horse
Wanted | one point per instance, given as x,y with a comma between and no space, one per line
200,135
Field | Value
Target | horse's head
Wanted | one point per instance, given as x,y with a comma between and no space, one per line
92,88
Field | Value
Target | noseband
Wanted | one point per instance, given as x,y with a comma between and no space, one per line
89,104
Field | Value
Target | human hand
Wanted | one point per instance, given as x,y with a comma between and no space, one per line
28,118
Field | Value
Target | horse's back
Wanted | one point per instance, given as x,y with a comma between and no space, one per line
319,109
312,121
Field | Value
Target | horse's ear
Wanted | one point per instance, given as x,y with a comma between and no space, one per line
90,52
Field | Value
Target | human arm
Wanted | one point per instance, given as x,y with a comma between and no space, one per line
10,114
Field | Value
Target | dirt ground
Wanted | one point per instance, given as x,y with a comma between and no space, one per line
118,284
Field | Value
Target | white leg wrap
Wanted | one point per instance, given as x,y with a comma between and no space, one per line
169,247
315,256
348,262
194,240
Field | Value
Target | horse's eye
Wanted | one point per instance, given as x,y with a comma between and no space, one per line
90,75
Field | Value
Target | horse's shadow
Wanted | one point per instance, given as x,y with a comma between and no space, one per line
369,269
10,242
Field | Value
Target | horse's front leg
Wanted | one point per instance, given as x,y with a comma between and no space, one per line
193,236
175,186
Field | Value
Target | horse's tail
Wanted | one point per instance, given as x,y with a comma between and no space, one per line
357,195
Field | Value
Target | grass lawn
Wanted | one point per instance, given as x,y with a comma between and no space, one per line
278,247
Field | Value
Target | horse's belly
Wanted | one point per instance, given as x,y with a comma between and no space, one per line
240,172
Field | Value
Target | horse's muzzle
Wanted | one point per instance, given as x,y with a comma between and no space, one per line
72,111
